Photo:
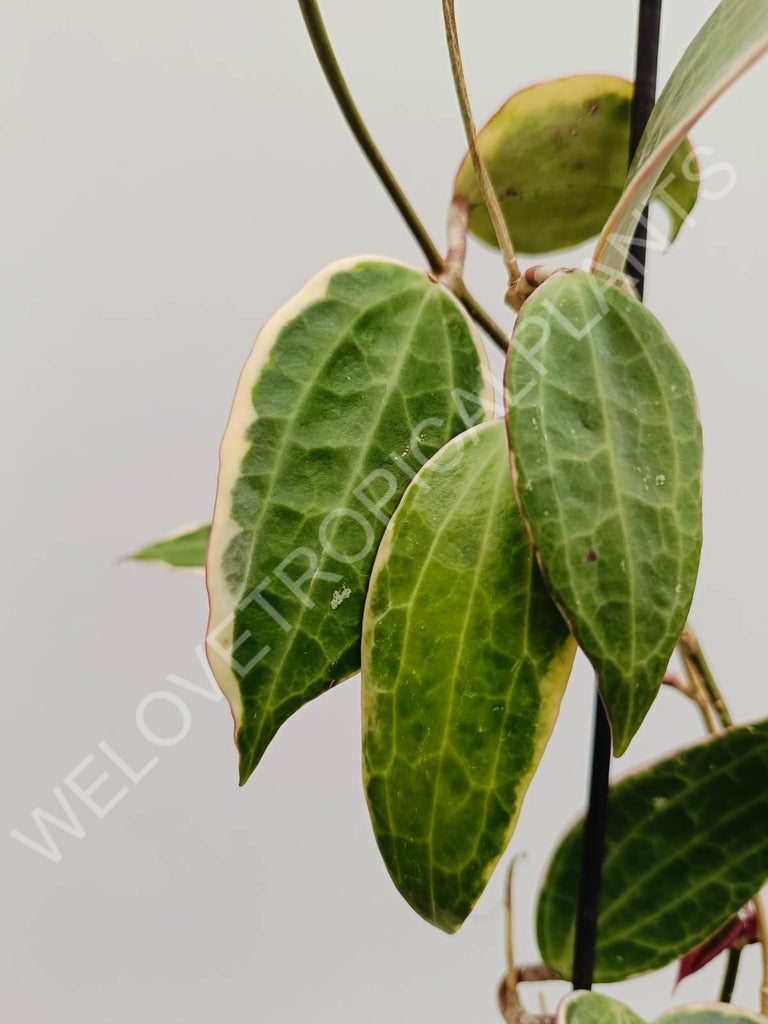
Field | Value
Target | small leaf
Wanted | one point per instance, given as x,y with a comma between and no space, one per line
711,1013
686,847
593,1008
607,457
184,549
349,388
733,39
465,660
557,155
740,930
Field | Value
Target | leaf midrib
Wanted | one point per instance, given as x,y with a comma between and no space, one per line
477,572
406,352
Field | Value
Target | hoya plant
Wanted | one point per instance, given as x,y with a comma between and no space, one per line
385,507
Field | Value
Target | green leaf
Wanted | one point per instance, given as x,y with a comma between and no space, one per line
184,549
686,848
607,458
557,155
465,660
593,1008
711,1013
349,388
733,39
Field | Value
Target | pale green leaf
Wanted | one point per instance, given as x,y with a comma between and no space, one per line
593,1008
711,1013
607,457
465,660
557,155
184,549
734,38
361,377
686,848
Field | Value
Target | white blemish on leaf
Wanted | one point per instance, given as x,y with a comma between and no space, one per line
339,596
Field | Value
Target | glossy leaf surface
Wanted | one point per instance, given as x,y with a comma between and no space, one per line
686,848
184,549
465,659
734,38
557,155
361,377
607,458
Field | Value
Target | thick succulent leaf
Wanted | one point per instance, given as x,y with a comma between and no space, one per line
557,155
349,388
711,1013
686,848
593,1008
184,549
465,659
733,39
607,457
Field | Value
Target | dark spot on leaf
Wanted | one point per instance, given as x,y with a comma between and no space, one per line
591,555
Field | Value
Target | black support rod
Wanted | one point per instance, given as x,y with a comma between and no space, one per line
593,846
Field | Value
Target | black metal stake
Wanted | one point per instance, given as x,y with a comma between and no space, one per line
593,845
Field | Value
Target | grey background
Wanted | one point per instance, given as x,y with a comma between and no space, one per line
172,171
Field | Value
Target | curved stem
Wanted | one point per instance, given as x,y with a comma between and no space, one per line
327,58
693,656
333,74
762,935
458,226
487,190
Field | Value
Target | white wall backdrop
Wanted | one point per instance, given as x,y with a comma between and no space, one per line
172,171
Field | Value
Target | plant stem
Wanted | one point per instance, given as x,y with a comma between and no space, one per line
481,317
333,74
762,935
693,656
487,190
593,847
458,225
694,691
327,58
729,978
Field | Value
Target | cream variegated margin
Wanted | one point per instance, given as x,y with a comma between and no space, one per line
733,39
581,1007
477,662
222,603
708,1014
